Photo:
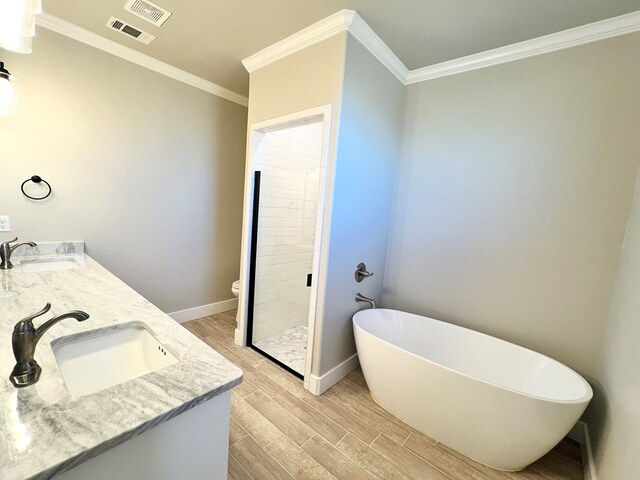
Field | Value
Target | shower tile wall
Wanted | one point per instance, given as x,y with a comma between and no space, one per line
290,162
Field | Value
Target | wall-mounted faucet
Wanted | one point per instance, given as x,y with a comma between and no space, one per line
361,272
24,341
362,298
6,250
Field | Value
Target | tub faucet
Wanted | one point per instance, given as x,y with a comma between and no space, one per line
362,298
24,340
6,250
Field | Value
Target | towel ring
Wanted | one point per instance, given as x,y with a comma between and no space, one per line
35,179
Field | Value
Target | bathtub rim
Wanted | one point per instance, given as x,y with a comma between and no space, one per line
584,399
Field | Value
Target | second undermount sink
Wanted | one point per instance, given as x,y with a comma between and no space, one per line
49,264
95,360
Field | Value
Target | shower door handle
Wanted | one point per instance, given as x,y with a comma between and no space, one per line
309,279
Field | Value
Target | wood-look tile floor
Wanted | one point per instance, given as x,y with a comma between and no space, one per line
281,431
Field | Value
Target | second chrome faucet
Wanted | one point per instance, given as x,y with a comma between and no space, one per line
6,249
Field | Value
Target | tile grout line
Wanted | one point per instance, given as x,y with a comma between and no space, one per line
313,459
345,379
369,421
393,419
260,389
364,422
395,462
355,463
240,465
456,460
304,443
239,439
313,432
273,440
258,443
264,418
325,418
275,459
285,389
345,436
334,422
411,452
243,429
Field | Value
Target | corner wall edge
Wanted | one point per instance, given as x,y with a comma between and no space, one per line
320,384
580,433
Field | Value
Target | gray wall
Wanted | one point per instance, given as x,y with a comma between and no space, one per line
309,78
361,204
148,171
513,190
614,416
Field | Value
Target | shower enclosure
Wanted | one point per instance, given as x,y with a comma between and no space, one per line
288,173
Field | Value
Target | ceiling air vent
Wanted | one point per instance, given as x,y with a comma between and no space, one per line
148,10
131,31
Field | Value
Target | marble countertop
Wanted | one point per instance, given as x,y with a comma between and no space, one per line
43,429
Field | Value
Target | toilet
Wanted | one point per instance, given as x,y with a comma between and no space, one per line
235,289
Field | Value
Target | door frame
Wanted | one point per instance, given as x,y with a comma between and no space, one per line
322,115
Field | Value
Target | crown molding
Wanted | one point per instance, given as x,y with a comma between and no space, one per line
573,37
349,20
319,31
75,32
344,20
362,32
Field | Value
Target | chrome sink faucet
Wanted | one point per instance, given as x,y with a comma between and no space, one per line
362,298
24,341
6,250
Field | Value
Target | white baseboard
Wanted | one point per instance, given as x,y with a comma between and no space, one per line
580,433
204,310
238,337
319,385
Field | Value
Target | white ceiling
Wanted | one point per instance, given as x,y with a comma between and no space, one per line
209,38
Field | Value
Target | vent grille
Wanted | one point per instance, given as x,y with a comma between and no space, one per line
130,31
148,10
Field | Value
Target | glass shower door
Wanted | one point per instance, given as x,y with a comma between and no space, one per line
283,243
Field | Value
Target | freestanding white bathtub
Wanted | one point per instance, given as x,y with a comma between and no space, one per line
498,403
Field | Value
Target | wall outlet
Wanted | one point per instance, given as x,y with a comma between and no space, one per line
4,223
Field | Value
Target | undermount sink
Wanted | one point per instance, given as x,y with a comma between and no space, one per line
49,264
98,359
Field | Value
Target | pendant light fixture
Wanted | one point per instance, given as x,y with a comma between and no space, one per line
8,97
18,24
